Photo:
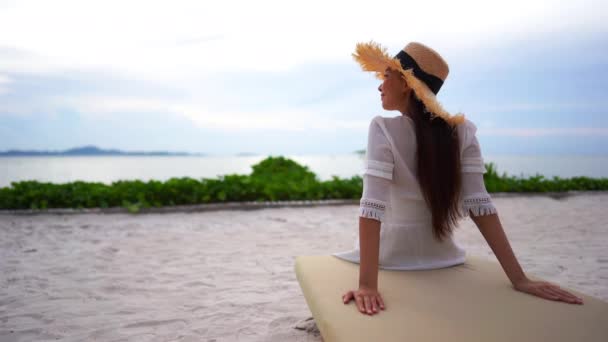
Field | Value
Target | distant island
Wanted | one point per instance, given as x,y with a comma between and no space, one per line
92,151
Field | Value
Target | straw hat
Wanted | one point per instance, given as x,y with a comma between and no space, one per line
423,69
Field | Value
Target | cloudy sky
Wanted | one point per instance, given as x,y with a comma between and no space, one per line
277,77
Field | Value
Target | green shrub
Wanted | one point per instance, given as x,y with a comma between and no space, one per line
272,179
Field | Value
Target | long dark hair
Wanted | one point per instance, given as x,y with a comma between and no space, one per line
438,167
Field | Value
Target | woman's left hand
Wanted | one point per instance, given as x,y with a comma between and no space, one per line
547,290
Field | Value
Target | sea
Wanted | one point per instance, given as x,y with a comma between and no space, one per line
107,169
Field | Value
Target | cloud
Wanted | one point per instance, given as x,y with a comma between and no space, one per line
104,107
286,120
199,39
283,120
110,108
544,106
174,40
4,82
543,132
300,100
271,66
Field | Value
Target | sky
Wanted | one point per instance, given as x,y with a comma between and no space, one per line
277,77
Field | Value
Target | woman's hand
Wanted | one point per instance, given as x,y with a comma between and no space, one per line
368,300
547,290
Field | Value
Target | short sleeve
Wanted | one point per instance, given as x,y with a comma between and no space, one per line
379,159
377,174
475,197
471,159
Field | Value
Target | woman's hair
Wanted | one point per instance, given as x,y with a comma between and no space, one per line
438,167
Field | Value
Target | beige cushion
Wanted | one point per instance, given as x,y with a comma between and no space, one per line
474,301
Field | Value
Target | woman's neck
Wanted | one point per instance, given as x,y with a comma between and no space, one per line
405,109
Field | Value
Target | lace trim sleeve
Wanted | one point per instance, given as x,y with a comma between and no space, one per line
480,204
371,208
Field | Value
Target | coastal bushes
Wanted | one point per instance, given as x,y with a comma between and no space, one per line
538,183
272,179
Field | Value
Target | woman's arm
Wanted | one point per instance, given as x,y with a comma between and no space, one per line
491,229
368,299
377,179
369,245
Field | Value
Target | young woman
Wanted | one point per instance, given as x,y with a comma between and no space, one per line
424,171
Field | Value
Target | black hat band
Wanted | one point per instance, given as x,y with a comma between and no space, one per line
407,62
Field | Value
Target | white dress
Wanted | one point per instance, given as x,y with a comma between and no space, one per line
392,195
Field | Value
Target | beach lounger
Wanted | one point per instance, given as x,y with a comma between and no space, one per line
474,301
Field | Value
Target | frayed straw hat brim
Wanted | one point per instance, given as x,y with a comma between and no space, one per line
372,57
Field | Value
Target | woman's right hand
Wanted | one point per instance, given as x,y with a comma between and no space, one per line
368,300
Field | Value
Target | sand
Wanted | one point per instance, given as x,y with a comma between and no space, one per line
228,275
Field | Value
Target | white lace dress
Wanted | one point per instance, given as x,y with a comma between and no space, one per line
391,195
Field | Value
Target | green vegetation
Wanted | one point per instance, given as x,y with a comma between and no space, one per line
538,183
273,179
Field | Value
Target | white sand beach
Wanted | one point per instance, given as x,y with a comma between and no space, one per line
229,275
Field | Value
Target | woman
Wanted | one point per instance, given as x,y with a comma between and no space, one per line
424,171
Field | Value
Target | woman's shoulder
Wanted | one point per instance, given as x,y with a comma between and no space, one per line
466,132
468,125
390,123
392,120
380,121
379,118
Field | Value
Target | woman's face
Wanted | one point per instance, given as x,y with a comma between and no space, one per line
393,90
